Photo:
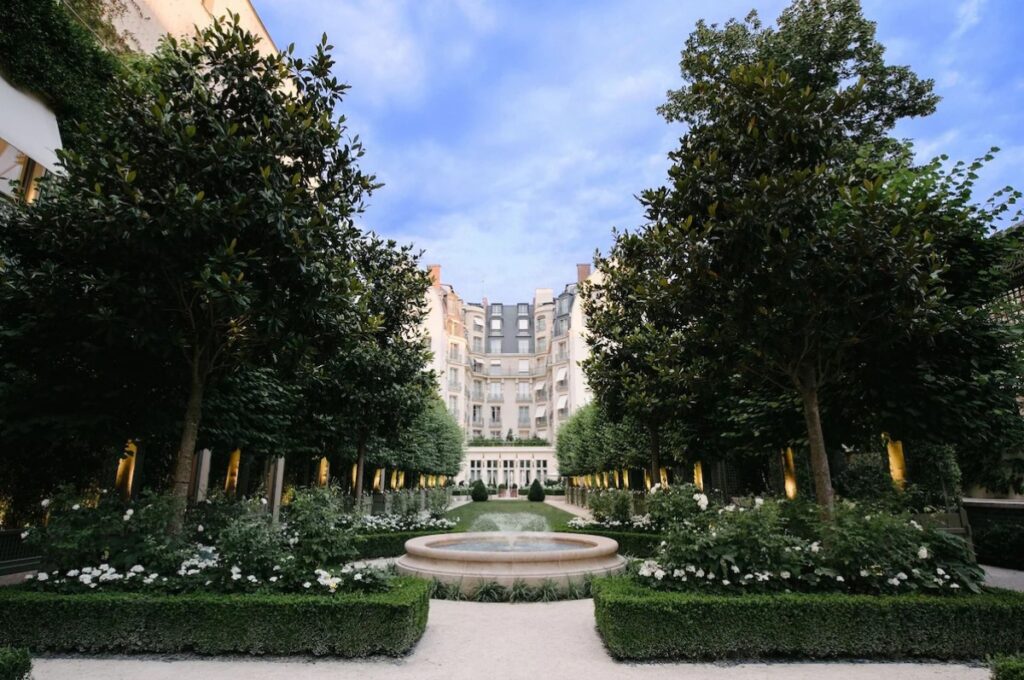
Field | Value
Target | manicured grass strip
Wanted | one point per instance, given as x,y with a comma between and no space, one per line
634,543
346,625
15,664
468,513
372,546
697,626
1008,668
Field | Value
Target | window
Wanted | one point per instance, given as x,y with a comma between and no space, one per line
495,434
495,390
15,166
523,324
523,345
523,309
524,366
561,326
523,390
524,472
563,352
453,378
496,324
478,414
496,416
478,322
495,368
478,389
542,470
563,305
524,416
495,345
496,308
478,344
453,406
542,323
475,469
492,472
508,472
542,345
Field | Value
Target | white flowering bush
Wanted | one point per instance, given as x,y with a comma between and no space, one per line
611,505
635,523
781,546
378,524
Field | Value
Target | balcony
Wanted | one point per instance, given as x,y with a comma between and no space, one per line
524,398
454,385
495,424
476,422
524,423
496,398
561,356
477,395
541,422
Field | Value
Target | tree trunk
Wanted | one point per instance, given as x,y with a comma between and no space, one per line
360,465
655,456
808,386
182,476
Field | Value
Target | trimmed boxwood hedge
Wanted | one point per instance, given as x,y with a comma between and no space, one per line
346,625
1008,668
392,544
635,543
698,626
15,664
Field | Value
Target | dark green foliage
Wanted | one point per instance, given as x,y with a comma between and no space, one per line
1008,668
15,663
346,625
391,544
489,591
519,591
630,543
479,492
1000,544
693,626
536,494
45,51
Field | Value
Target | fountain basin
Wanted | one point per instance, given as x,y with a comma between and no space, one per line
531,557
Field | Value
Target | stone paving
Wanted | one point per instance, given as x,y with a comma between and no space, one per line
472,641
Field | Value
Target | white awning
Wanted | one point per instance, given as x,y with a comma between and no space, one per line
478,322
539,386
561,375
563,402
542,411
27,124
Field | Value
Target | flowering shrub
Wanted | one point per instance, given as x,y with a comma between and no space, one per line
437,503
375,524
785,546
668,506
635,523
665,506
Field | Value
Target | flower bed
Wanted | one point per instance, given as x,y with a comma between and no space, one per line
344,624
380,524
707,626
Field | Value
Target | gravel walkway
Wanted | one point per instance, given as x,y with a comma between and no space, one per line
466,640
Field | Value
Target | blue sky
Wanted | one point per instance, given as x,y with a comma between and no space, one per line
513,135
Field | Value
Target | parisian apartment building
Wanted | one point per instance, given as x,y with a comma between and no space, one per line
509,372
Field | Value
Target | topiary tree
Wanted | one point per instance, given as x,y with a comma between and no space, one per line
479,492
536,494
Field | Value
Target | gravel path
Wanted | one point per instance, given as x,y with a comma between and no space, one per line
466,640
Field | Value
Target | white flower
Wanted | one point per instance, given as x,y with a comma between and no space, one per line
940,571
735,569
954,586
250,578
76,506
840,579
129,512
922,553
815,547
916,525
104,567
784,575
24,535
307,584
901,576
154,576
126,517
725,581
263,501
659,574
864,573
273,579
200,528
42,576
72,573
45,502
358,577
235,577
137,569
699,573
758,502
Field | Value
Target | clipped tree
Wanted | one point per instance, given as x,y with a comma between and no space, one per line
536,493
479,492
792,229
207,214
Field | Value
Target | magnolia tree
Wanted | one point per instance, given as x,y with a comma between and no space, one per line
207,217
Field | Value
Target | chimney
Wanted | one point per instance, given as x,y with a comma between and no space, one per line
582,272
435,275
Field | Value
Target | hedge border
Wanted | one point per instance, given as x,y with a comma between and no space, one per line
15,663
635,543
388,544
345,625
1008,668
818,626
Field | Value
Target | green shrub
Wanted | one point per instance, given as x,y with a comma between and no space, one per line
437,502
318,530
702,626
611,505
632,543
479,492
346,625
1001,545
536,494
1008,668
676,504
392,544
15,663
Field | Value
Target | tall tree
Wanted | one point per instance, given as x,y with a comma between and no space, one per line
791,230
209,213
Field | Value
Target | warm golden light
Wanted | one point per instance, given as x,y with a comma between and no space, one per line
897,463
698,475
126,470
625,478
376,478
789,472
647,479
323,473
663,473
231,482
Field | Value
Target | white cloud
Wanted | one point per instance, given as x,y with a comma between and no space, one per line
968,14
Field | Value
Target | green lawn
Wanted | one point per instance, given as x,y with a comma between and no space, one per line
509,516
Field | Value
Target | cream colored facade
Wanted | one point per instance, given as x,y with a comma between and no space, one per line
509,369
144,22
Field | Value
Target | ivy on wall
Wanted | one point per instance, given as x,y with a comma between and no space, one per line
46,51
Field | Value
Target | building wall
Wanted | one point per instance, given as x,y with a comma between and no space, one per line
145,22
497,464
